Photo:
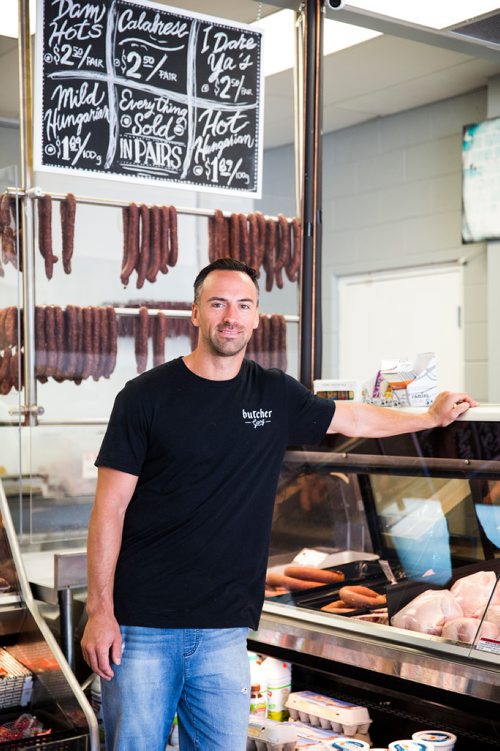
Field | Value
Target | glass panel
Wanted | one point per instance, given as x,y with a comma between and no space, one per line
428,523
11,348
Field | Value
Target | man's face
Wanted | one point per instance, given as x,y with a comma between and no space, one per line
226,312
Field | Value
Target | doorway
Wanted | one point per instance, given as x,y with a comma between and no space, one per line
397,315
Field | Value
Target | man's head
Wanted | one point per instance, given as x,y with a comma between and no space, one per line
224,264
225,307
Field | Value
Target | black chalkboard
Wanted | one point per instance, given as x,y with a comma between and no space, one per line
142,91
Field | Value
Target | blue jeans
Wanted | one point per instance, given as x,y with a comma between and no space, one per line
203,674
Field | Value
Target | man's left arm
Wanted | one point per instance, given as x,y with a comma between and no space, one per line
357,420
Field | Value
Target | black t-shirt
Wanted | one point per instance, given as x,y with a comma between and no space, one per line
208,455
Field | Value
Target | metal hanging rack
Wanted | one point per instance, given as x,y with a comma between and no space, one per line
37,192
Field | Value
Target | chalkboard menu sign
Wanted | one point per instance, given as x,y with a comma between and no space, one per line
142,91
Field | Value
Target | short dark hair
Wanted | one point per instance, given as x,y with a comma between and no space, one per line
224,264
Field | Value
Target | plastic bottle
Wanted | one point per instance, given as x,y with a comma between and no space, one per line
279,685
258,685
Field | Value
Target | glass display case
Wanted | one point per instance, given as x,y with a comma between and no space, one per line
41,702
407,529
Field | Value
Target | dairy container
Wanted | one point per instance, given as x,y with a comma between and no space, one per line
352,744
316,709
440,739
258,685
279,683
410,745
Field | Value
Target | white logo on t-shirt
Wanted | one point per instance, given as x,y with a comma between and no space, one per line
257,417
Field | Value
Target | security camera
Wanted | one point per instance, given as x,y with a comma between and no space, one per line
335,4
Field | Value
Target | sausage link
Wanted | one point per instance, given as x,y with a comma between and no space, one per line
40,342
50,338
283,363
87,342
68,213
130,242
174,239
59,338
141,330
293,267
265,322
10,326
79,359
244,240
164,238
273,579
261,226
313,573
220,234
96,343
112,339
235,236
269,261
159,335
155,251
253,240
45,234
283,255
211,239
361,597
143,262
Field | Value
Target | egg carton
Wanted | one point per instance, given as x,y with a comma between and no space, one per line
308,735
325,712
270,735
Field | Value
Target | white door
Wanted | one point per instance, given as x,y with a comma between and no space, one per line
397,315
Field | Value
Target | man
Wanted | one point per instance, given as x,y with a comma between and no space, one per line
179,532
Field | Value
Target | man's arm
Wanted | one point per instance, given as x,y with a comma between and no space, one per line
357,420
102,639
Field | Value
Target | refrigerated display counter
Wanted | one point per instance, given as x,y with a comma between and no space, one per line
406,517
41,703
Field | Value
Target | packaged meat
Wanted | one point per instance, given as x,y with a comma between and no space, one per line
327,712
270,735
440,739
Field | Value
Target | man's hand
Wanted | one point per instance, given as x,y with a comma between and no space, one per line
448,406
101,641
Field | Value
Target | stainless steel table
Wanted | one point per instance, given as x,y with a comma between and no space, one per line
54,576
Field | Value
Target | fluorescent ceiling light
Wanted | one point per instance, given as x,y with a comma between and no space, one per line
279,36
436,14
9,23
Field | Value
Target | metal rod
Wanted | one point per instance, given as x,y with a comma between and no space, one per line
181,313
310,298
26,213
37,192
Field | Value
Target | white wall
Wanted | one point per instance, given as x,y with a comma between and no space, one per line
392,198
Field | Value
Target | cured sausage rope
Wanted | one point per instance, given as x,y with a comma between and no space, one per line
283,249
293,268
159,335
67,210
143,261
164,238
141,331
174,239
45,234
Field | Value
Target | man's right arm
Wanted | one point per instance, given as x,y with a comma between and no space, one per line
101,642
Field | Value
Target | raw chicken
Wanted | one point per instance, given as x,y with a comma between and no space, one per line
465,629
473,592
428,612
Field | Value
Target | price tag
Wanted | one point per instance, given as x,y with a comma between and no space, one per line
310,557
489,645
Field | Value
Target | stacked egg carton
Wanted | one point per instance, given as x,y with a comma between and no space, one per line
270,735
325,712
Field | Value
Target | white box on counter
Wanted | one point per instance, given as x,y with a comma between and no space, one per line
325,711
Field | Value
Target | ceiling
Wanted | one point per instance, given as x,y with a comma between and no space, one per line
379,77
